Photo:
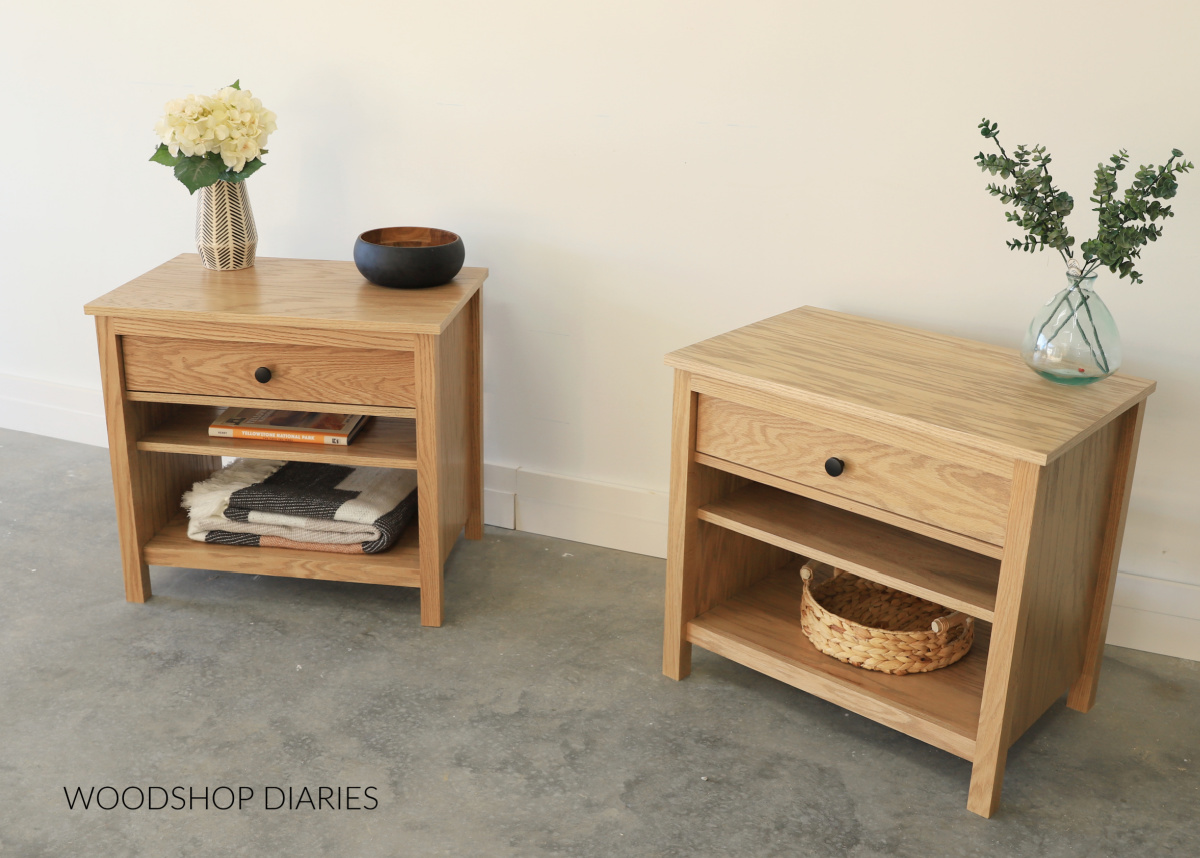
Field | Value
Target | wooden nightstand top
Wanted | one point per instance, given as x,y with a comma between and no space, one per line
309,293
961,390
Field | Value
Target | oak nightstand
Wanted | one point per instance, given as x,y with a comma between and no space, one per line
964,478
181,342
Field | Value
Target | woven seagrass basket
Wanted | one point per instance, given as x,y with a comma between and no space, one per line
875,627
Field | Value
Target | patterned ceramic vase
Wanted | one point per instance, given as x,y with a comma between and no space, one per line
225,233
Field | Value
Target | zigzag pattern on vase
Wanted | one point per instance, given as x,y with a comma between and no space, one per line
225,233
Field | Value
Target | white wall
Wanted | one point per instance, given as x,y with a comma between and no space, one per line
637,175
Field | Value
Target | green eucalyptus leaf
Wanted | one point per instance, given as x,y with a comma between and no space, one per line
1126,220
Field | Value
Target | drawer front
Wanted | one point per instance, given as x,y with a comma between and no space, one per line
304,373
945,494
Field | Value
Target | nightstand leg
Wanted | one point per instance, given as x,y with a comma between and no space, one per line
474,314
1083,691
1006,650
430,478
147,487
122,450
987,776
137,580
677,651
431,552
431,596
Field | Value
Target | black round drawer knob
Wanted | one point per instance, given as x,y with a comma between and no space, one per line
262,375
834,466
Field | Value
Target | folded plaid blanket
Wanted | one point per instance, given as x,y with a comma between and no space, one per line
302,505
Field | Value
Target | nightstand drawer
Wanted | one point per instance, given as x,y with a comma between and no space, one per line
305,373
946,494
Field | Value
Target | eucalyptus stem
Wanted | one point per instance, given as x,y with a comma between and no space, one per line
1096,333
1101,362
1100,359
1038,337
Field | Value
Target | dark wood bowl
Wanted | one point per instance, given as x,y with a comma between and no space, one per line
409,257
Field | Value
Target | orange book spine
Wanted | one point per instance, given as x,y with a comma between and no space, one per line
277,435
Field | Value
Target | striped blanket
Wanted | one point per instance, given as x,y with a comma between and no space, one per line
304,505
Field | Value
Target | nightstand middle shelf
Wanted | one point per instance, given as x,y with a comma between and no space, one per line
386,442
917,564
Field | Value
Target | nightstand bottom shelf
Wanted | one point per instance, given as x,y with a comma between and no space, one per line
760,628
398,566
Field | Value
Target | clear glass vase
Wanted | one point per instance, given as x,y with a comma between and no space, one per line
1073,339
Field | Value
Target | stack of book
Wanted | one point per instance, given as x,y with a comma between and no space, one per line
305,427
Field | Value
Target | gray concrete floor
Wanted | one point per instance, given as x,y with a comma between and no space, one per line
536,722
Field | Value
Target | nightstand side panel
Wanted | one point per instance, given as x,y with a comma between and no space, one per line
1061,574
456,417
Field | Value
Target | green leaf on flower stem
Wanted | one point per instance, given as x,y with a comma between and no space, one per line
198,172
237,84
250,168
162,155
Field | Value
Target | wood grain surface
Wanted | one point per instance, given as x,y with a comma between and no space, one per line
429,478
1083,691
760,628
960,390
945,494
950,537
146,486
313,373
1061,575
706,564
305,293
182,342
1008,634
473,391
1045,601
398,566
948,445
253,333
386,442
950,576
259,402
456,432
856,424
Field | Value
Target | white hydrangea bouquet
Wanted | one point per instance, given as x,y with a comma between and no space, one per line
214,138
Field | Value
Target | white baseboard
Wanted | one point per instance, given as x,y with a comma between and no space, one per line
1148,613
1156,616
56,410
500,496
602,514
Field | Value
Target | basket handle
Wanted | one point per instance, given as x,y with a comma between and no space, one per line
944,624
811,567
